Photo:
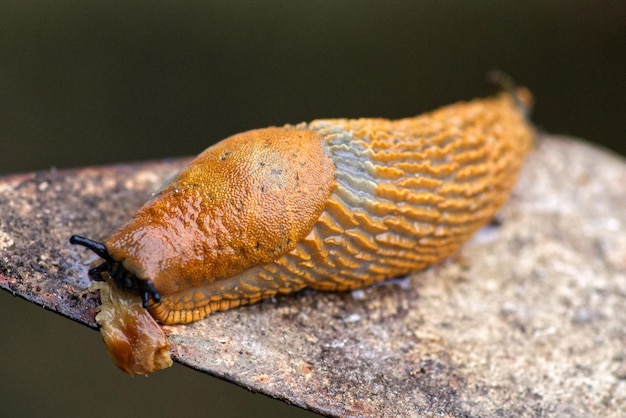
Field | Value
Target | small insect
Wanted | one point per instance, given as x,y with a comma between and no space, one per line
334,204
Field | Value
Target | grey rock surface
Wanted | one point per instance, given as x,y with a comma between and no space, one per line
527,319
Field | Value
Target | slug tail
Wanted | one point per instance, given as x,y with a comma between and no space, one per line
522,97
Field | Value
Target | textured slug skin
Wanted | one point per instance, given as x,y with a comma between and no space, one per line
333,204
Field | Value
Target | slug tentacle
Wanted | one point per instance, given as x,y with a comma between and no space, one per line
99,269
95,246
123,278
334,204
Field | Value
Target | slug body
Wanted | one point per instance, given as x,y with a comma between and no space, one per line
333,204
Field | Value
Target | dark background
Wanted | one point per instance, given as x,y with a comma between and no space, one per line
85,83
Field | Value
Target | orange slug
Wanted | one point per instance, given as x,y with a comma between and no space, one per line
334,204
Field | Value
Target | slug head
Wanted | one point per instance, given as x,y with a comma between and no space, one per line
124,278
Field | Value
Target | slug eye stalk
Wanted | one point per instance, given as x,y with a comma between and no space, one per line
124,278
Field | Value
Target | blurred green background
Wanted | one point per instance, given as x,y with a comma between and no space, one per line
85,83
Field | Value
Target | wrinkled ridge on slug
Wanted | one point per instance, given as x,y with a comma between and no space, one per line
334,204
